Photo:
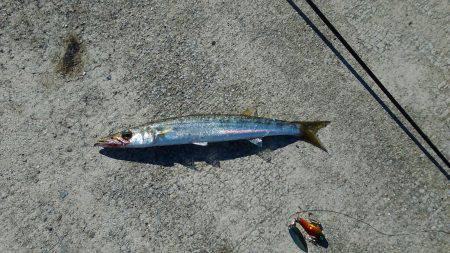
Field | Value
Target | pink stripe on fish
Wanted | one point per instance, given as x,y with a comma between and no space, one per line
243,131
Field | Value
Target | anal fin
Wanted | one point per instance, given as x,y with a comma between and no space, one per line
256,141
203,144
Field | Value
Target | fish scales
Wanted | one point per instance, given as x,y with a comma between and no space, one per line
221,128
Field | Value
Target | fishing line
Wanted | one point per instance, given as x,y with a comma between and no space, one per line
373,227
374,78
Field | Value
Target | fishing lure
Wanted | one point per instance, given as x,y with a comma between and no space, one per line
311,225
203,129
314,230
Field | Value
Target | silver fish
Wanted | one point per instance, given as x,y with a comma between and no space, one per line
203,129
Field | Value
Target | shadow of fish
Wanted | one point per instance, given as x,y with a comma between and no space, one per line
188,155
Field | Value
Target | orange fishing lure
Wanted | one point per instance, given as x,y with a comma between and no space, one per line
311,225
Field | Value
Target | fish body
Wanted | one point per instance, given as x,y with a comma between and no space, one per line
203,129
215,128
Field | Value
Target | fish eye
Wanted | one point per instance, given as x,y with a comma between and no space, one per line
127,134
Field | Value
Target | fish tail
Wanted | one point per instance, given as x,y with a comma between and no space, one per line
309,131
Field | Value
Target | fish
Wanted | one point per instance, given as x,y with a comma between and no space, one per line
204,129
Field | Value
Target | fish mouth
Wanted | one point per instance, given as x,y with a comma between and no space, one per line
108,142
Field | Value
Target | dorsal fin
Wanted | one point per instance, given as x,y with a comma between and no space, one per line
250,112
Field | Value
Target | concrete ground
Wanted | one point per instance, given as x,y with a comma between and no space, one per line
72,71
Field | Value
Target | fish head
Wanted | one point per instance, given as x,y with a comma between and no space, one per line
127,138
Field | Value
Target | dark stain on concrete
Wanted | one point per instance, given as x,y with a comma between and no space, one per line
71,62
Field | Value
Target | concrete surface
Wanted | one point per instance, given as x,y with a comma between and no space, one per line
129,62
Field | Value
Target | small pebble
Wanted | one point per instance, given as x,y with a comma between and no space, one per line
63,194
69,149
108,78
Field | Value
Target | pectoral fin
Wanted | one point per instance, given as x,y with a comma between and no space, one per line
203,144
163,131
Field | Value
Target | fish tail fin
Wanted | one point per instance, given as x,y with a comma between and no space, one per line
309,131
